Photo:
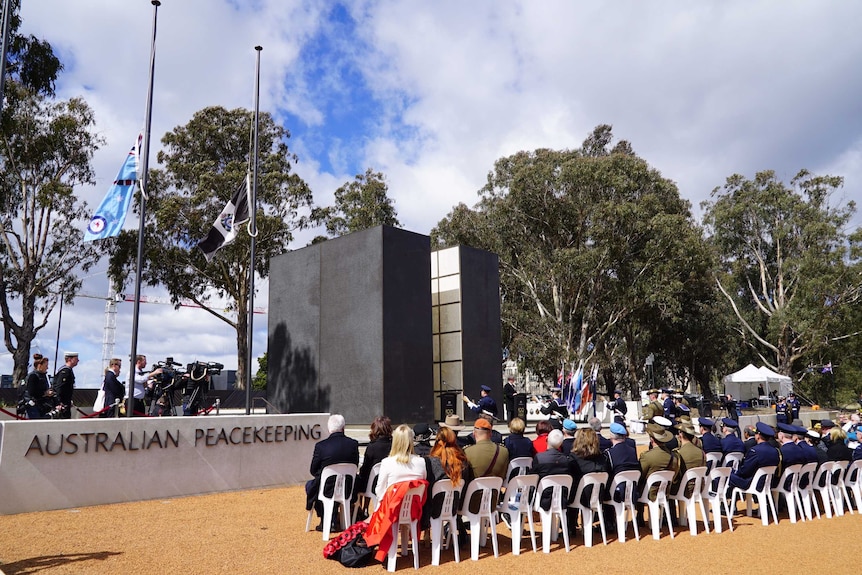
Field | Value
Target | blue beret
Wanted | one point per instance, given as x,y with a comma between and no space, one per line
705,422
569,425
852,436
764,429
619,429
728,422
486,388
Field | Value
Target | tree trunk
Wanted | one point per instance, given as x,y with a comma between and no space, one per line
241,343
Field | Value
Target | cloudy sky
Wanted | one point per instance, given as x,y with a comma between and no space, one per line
432,93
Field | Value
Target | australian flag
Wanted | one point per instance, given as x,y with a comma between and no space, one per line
226,225
111,213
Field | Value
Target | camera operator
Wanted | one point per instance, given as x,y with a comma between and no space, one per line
142,383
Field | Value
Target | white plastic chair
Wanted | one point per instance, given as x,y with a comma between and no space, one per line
448,515
519,505
715,491
805,489
517,466
762,477
732,460
853,481
839,489
556,511
628,479
788,486
660,480
823,487
487,490
687,505
340,495
368,497
409,529
596,480
713,459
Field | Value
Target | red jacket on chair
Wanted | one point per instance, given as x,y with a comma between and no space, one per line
380,524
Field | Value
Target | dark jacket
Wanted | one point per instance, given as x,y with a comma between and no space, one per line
552,462
337,448
730,443
519,446
64,385
761,455
374,454
114,389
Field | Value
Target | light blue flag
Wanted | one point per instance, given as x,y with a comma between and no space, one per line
111,213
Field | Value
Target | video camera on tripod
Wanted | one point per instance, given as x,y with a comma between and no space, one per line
192,384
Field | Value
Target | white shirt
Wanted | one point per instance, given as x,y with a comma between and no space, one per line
392,472
141,378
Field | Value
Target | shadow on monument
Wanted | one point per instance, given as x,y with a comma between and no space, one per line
36,564
292,378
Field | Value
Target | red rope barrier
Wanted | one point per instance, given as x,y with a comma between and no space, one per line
15,415
207,410
95,413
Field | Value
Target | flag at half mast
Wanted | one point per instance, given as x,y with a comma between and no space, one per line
110,216
226,225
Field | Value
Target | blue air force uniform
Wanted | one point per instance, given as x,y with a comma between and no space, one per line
710,443
730,443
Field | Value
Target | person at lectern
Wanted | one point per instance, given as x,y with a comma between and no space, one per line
485,405
337,448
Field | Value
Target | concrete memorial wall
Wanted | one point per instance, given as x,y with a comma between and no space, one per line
72,463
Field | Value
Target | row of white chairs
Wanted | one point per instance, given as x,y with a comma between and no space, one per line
798,484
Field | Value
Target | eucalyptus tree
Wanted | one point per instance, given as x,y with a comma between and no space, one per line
361,204
785,267
593,244
47,149
201,165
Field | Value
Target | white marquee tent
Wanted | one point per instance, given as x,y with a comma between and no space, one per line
743,384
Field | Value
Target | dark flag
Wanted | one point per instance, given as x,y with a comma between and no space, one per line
226,225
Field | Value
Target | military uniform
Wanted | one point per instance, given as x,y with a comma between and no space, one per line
690,457
761,455
481,454
655,459
711,444
652,409
730,443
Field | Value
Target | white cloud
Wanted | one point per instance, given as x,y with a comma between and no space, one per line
701,90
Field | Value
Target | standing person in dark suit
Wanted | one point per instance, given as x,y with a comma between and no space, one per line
64,384
114,388
730,404
761,455
337,448
794,405
618,406
509,392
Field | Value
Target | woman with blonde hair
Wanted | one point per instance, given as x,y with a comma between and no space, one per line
402,464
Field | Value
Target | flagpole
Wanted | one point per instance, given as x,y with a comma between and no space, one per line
4,49
253,233
145,164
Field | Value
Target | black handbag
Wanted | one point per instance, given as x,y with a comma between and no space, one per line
357,553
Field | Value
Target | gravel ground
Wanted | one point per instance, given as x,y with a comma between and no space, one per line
263,532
